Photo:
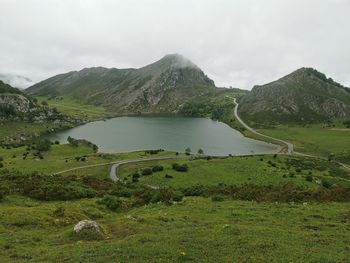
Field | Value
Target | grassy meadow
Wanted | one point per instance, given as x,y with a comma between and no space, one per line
196,230
75,108
316,140
268,208
257,170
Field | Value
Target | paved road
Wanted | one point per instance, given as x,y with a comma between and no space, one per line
113,173
288,144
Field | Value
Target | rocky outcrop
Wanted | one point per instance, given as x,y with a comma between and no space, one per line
18,102
91,228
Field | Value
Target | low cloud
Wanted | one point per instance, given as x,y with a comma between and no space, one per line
237,43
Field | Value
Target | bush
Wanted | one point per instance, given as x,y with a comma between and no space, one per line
217,198
188,150
177,196
308,178
111,202
48,188
59,211
326,184
122,191
180,167
157,168
72,141
147,171
135,177
164,195
43,145
154,151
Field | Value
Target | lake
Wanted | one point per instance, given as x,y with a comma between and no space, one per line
125,134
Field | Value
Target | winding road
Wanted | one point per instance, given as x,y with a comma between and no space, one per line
288,144
113,174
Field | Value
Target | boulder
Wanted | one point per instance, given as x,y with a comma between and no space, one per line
89,226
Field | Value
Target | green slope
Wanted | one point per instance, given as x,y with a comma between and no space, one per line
303,96
159,87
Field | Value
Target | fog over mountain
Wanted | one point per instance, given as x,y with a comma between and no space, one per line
237,43
16,81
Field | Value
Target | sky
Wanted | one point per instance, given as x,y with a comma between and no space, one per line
238,43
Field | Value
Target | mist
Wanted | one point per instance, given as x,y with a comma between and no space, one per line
238,43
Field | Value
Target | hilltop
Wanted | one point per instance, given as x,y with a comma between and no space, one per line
304,96
162,86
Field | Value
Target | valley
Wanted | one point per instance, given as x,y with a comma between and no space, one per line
194,180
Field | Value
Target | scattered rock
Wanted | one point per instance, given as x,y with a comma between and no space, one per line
89,226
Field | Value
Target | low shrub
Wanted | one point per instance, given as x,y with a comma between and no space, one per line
326,184
157,168
217,198
180,167
147,171
111,202
309,178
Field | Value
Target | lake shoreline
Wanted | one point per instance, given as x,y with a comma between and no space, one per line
173,133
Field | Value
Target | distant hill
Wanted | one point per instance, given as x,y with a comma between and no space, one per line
159,87
17,106
16,81
6,88
303,96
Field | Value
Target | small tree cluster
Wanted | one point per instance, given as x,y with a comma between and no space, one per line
180,167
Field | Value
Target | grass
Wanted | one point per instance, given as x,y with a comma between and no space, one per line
11,131
315,140
75,108
62,157
197,230
257,170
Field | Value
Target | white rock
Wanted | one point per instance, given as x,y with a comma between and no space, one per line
90,225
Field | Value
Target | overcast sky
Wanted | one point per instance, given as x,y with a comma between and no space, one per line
237,43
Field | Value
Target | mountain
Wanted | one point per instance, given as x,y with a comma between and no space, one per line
16,81
159,87
303,96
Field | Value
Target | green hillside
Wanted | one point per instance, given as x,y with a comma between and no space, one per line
159,87
304,96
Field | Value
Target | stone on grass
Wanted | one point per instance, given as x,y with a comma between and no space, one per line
90,229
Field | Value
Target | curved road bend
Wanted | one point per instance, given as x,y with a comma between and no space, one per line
115,164
289,145
114,168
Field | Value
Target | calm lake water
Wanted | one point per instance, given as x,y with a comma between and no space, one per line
170,133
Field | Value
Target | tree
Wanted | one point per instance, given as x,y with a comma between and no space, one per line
43,145
200,151
188,150
72,141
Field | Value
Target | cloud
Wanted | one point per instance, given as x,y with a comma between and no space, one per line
237,43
